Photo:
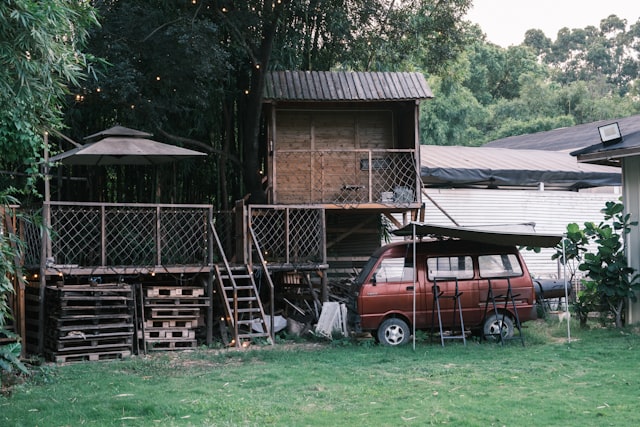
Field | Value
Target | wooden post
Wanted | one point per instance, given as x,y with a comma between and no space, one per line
44,252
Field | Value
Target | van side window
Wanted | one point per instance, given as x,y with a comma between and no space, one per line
460,267
499,265
394,270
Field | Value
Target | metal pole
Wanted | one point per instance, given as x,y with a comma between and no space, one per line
414,285
566,292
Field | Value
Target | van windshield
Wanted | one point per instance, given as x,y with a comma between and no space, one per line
366,270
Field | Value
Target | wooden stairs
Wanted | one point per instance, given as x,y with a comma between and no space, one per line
244,312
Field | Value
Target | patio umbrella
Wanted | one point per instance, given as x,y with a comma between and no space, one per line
123,146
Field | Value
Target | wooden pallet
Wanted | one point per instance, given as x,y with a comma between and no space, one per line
173,291
176,301
165,323
174,313
89,356
161,333
167,344
87,322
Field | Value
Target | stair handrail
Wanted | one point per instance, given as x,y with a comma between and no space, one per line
265,270
231,278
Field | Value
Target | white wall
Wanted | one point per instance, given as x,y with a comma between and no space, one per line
551,211
631,185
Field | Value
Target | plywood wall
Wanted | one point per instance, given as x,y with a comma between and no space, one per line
315,155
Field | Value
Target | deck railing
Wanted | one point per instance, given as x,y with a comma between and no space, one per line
292,235
346,177
110,234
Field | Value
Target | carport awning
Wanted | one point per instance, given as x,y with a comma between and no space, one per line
484,236
455,166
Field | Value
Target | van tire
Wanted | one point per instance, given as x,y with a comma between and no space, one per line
393,331
495,324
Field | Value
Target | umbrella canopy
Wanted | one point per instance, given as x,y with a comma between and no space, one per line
123,146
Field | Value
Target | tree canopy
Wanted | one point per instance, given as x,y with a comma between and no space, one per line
192,73
41,55
584,75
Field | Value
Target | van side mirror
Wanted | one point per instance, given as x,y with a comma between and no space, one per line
374,279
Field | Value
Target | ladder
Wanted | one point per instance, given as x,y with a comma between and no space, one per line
244,313
507,298
457,308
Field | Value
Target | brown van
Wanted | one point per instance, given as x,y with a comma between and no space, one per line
383,293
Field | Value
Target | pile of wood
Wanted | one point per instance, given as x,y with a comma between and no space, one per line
89,322
171,316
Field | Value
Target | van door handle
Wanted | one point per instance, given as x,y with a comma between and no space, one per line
409,288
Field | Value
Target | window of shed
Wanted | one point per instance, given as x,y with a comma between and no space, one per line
459,267
376,164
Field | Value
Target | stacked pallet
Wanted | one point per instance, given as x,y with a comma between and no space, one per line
171,315
89,322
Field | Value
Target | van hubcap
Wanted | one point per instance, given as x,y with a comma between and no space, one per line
394,334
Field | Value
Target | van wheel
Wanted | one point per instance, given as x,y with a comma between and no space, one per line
495,325
393,331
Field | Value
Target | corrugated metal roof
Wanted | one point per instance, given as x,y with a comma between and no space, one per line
566,139
345,86
460,166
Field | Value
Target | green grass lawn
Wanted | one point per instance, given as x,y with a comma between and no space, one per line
592,381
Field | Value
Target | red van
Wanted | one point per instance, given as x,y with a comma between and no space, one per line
382,297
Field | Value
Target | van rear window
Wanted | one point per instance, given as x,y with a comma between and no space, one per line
499,265
460,267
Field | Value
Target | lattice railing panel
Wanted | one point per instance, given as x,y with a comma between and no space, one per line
130,236
75,235
346,177
134,235
224,223
289,235
305,236
182,232
29,232
270,227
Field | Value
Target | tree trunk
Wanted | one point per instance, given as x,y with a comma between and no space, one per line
253,110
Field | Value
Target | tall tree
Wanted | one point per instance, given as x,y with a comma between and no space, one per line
41,54
194,70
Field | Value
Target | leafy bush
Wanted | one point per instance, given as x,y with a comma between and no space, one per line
10,250
609,282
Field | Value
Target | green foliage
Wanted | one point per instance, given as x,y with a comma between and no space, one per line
10,250
40,51
610,283
10,356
